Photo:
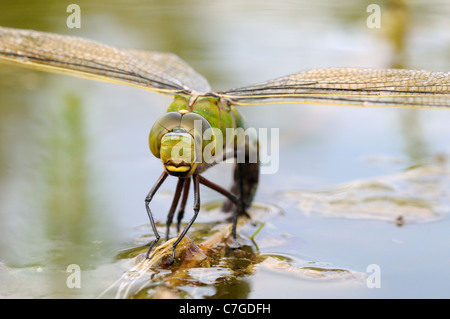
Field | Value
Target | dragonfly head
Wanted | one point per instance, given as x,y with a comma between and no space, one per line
176,138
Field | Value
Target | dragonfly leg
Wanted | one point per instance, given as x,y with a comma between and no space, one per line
176,198
231,196
148,199
187,184
196,179
240,207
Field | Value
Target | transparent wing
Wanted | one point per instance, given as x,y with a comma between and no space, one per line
171,65
161,72
350,86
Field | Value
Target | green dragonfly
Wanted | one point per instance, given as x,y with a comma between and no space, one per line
177,138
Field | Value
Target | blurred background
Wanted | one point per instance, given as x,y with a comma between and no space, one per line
75,165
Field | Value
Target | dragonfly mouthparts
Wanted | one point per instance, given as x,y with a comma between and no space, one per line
178,168
176,163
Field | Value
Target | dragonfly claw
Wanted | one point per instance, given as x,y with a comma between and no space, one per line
172,260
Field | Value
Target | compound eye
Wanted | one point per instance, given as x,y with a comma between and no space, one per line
191,121
196,125
163,125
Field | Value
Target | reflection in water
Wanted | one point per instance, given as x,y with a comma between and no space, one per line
235,289
417,195
411,127
397,23
213,269
73,225
66,214
60,225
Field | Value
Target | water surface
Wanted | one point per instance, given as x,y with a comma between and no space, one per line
355,187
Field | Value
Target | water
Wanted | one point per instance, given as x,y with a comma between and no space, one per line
75,166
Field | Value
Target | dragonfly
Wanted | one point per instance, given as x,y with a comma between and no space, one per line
178,137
